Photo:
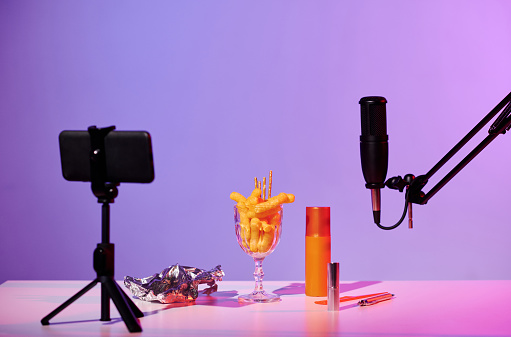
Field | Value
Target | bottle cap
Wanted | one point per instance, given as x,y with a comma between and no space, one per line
317,221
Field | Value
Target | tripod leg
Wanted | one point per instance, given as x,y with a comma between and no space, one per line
122,306
128,300
46,319
105,304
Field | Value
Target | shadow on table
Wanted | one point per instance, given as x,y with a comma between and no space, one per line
114,320
229,298
345,287
226,299
298,288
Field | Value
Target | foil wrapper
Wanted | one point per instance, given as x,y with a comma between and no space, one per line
174,284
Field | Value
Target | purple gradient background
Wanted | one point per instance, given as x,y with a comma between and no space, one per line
231,89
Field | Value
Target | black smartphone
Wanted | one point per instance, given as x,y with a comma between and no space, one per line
129,156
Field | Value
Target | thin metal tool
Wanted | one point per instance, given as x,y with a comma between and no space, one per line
376,299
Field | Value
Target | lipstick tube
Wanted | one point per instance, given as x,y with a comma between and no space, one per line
317,250
333,287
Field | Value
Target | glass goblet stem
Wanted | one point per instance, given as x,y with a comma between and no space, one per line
258,274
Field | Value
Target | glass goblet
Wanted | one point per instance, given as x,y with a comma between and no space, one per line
258,238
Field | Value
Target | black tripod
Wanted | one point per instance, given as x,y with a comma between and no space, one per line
104,252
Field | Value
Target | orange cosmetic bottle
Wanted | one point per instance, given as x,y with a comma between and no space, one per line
317,250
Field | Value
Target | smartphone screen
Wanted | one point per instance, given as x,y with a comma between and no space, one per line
129,156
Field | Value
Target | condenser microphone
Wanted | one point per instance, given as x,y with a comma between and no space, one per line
374,147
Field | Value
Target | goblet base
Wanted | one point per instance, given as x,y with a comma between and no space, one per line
258,297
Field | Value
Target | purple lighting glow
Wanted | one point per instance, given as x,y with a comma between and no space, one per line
231,89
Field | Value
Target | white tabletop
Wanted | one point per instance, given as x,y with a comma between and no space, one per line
420,308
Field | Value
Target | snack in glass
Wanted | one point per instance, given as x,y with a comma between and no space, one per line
258,225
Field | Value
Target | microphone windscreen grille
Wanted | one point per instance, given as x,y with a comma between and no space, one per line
377,120
364,119
373,119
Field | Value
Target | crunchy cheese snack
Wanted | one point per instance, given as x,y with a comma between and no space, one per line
260,218
237,197
268,236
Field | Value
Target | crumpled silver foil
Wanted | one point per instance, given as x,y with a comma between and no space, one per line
174,284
